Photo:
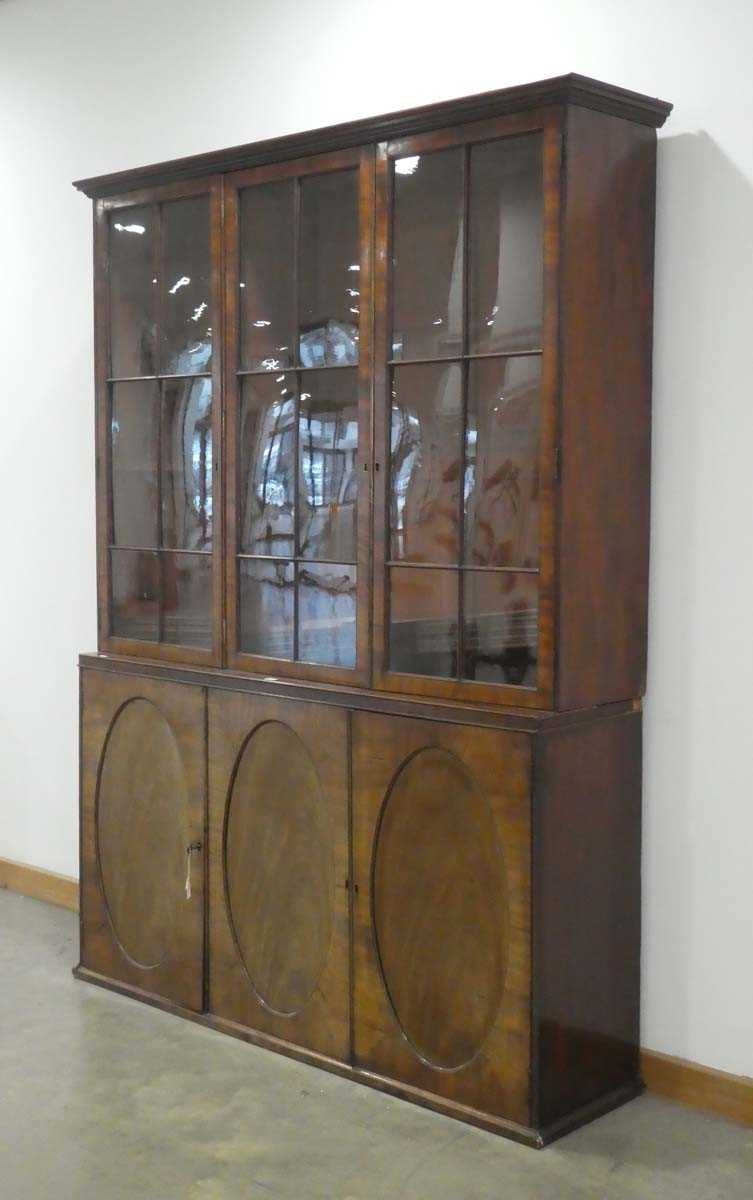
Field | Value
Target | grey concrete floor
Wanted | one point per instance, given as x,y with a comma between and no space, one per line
102,1098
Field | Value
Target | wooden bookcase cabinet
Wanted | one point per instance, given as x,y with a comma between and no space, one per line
361,744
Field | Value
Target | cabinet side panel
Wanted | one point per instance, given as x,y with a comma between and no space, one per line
606,330
587,916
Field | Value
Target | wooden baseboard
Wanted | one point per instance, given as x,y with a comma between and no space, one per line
39,884
700,1087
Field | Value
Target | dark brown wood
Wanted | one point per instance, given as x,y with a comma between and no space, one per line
587,923
441,834
549,123
106,639
431,885
606,326
278,863
564,89
362,159
356,699
142,754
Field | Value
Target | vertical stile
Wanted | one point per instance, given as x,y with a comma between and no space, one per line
465,347
296,344
158,314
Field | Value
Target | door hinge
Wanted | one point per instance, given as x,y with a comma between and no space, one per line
557,464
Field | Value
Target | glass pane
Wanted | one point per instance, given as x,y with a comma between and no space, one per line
187,464
329,294
132,292
426,444
428,256
328,488
186,288
327,614
501,624
266,465
187,599
267,296
134,433
424,621
266,607
501,462
135,594
506,245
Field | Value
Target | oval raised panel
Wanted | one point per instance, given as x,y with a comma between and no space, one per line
440,908
279,868
141,799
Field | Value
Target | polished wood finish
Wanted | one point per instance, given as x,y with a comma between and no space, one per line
586,895
564,89
605,435
39,884
278,862
360,160
357,699
476,990
441,836
587,562
548,123
103,209
424,866
142,824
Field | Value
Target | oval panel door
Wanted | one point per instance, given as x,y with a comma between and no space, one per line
141,799
278,868
440,909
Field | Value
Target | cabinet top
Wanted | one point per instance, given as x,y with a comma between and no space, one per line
564,89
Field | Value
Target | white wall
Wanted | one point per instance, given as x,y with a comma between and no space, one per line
89,86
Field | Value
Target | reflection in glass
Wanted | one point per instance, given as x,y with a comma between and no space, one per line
328,488
132,292
266,465
187,599
428,256
506,245
267,300
327,614
329,293
423,621
426,433
501,620
186,322
187,464
265,600
134,432
501,462
135,594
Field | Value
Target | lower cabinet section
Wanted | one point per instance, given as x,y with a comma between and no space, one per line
446,911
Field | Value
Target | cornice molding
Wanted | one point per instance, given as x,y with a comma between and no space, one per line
563,90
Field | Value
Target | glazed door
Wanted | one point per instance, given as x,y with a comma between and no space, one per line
158,353
142,868
298,299
442,910
465,387
278,836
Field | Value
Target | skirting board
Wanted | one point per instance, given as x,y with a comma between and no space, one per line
685,1082
40,885
700,1087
